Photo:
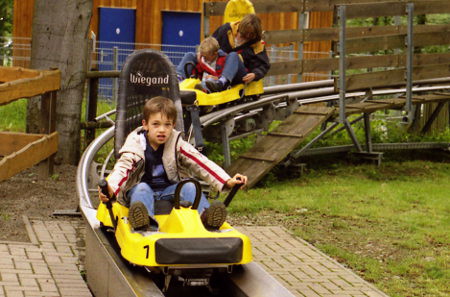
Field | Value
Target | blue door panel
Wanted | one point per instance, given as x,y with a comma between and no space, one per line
180,28
117,28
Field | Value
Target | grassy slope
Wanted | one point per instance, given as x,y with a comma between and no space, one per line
390,224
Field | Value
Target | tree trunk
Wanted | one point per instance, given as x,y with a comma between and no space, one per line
60,40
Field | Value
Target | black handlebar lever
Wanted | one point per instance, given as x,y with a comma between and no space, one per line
198,193
103,184
231,195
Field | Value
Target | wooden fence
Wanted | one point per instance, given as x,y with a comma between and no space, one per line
22,150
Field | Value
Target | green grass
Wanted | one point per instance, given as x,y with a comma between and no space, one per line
13,116
390,224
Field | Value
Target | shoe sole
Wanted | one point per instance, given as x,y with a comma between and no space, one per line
216,216
138,215
213,87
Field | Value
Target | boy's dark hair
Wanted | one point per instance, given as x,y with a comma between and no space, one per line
160,104
250,27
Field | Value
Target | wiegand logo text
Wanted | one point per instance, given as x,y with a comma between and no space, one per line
138,78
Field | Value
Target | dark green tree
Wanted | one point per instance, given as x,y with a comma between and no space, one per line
6,16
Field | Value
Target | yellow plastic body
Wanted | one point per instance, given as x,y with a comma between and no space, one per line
139,247
216,98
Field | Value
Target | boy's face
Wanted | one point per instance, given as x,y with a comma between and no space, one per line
210,57
159,128
240,39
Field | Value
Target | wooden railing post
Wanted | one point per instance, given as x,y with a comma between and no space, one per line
48,126
91,109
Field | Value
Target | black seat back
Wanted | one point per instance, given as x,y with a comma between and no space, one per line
145,74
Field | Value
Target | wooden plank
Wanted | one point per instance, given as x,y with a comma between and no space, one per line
322,34
46,81
375,9
429,7
278,68
314,109
261,6
369,106
328,5
394,103
28,156
432,38
14,141
271,148
214,8
271,6
371,44
358,62
14,73
375,79
394,77
317,65
283,36
257,158
376,43
281,134
431,71
421,6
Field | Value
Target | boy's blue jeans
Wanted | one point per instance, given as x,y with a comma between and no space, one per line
142,192
233,70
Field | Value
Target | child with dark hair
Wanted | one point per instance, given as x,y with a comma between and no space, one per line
154,159
243,38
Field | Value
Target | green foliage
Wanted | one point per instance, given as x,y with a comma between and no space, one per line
6,15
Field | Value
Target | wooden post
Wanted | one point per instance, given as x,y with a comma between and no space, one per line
91,109
48,126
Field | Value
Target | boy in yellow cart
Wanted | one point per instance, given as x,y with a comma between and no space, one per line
154,159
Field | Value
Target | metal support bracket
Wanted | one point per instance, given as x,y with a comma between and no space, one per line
352,135
367,132
433,117
196,127
226,128
297,154
409,62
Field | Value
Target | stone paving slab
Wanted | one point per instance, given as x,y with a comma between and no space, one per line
51,265
302,268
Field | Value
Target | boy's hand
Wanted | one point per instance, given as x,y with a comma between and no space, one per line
236,180
212,77
249,77
102,196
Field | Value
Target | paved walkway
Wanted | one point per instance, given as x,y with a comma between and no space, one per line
51,263
302,268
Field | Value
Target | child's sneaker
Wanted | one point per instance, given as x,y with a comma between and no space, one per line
201,87
214,216
138,216
214,85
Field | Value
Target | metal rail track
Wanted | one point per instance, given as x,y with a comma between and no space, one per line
109,275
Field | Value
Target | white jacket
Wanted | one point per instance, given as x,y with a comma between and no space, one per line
180,160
